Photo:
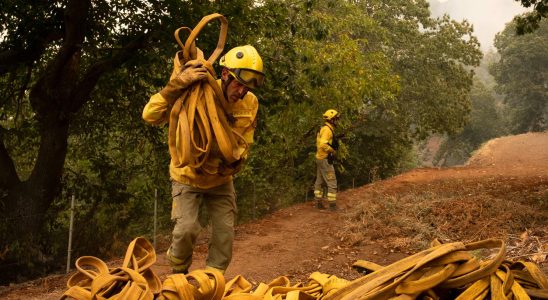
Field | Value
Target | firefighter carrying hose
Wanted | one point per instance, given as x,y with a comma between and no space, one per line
325,155
242,71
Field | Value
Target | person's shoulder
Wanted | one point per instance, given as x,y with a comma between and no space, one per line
250,97
250,100
326,128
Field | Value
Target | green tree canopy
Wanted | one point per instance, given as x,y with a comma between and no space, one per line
522,76
485,122
529,22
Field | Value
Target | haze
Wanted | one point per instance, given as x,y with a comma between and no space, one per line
488,16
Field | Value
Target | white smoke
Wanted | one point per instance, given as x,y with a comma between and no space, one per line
488,16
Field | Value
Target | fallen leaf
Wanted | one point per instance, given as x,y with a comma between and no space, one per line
524,236
539,258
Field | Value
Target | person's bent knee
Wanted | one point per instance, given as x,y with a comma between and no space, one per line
183,238
184,227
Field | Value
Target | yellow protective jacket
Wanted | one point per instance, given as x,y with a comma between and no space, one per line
324,139
156,112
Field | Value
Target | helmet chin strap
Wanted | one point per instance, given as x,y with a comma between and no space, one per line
225,84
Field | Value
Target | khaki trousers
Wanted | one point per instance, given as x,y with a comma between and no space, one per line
325,175
220,202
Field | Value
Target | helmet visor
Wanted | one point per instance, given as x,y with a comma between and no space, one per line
248,77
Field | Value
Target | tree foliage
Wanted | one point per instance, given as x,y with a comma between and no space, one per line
521,75
75,75
485,122
529,22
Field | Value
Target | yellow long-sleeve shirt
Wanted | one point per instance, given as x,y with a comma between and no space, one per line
324,139
245,115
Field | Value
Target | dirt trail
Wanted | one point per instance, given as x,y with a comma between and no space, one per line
299,240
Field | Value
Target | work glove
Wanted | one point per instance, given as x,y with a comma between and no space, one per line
191,72
226,169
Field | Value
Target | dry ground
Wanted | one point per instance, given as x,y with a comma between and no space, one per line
502,192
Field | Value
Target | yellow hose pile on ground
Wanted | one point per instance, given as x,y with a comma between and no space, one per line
133,280
445,271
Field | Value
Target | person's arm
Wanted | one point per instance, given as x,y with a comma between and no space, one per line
156,110
325,136
250,131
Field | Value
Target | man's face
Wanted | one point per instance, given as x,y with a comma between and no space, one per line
234,90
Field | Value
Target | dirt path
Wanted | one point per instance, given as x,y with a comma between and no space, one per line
299,240
293,241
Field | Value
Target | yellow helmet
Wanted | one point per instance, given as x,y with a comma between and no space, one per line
330,114
245,64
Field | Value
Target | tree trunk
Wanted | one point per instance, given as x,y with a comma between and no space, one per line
60,92
30,199
27,202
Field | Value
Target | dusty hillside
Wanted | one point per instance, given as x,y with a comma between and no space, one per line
502,192
520,152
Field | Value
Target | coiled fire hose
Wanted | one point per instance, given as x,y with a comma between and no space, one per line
133,280
198,119
445,271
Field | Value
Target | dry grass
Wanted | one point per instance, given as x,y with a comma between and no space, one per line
408,216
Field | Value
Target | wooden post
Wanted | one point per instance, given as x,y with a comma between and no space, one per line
155,216
69,251
254,200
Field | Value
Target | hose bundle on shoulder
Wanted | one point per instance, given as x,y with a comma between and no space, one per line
198,121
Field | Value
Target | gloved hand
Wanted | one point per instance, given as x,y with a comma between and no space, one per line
231,169
191,72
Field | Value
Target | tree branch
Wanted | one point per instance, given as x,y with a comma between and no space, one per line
8,174
75,15
54,85
10,58
81,93
21,94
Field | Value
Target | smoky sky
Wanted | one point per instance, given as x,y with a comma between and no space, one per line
487,16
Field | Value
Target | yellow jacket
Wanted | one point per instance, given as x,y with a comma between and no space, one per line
245,114
324,138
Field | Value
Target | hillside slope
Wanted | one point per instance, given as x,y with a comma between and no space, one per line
501,193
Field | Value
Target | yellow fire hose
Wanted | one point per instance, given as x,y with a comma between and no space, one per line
133,280
198,119
445,271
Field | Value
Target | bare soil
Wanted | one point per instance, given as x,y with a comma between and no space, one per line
501,193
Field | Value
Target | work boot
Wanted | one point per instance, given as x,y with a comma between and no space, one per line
215,269
177,265
319,204
332,206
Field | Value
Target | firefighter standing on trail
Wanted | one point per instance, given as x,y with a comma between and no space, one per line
242,71
325,153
